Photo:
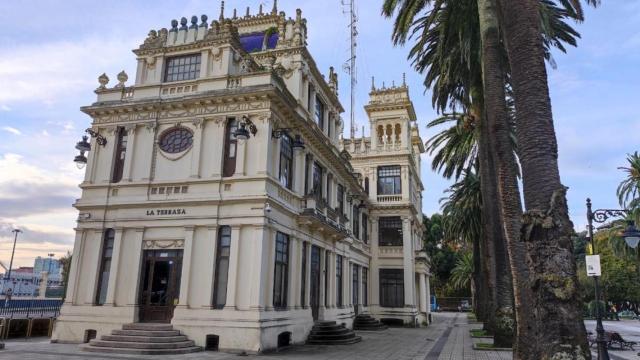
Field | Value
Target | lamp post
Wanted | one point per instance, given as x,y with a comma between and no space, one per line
15,239
632,237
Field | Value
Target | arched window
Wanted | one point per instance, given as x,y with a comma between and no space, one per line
380,132
398,131
230,147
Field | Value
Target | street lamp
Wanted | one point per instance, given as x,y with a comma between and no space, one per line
84,146
241,132
631,236
15,239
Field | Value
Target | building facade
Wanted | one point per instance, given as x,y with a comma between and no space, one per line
50,265
216,195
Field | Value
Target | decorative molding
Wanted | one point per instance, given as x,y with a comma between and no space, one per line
198,123
163,244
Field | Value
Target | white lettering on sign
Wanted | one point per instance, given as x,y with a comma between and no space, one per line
160,212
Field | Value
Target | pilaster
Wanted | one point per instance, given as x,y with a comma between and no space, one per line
129,153
407,252
112,287
76,264
196,149
185,278
233,267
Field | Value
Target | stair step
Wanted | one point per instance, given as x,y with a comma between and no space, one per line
132,351
147,339
141,345
330,332
328,327
325,322
335,342
146,332
147,326
332,337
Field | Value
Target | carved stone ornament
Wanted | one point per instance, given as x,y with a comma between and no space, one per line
122,78
103,80
163,244
155,39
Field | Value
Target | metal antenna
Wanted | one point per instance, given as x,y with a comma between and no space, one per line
350,67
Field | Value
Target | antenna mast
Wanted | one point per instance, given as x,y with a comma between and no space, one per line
350,65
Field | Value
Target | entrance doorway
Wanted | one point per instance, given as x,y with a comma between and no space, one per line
160,284
314,288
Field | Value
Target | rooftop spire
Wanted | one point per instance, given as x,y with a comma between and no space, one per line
221,10
260,9
404,79
373,83
274,10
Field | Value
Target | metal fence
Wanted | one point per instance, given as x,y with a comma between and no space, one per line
30,308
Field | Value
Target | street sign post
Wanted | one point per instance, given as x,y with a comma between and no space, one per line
593,265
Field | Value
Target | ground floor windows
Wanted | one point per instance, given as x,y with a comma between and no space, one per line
338,280
280,280
222,267
105,266
391,287
365,286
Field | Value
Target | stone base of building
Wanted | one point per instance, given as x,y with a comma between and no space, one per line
235,330
409,316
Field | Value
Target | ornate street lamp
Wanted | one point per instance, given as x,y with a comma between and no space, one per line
631,236
241,132
84,146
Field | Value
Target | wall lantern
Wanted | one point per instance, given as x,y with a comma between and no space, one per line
83,146
297,142
631,235
241,132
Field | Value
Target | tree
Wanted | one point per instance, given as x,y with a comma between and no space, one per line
547,281
463,272
65,262
629,189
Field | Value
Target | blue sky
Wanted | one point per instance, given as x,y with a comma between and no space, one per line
51,53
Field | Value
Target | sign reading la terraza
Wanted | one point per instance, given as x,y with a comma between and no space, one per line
160,212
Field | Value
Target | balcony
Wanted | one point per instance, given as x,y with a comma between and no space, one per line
317,215
390,198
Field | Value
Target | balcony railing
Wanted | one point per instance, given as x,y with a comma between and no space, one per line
317,214
389,198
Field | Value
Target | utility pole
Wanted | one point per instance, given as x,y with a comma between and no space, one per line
15,239
350,67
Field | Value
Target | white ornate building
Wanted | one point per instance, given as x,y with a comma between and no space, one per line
217,196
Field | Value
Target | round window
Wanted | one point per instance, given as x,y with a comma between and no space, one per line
175,140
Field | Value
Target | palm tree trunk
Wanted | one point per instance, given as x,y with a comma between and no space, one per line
548,305
504,170
491,229
478,282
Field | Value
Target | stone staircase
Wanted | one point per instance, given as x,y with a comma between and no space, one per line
143,339
330,333
366,322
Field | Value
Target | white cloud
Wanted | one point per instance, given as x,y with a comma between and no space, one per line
12,130
5,108
50,71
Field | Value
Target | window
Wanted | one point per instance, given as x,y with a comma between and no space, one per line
340,198
230,145
105,266
390,231
186,67
338,280
365,286
356,222
365,228
354,284
222,267
366,185
175,140
319,113
286,161
303,280
391,288
309,97
307,166
280,280
327,256
317,180
329,186
389,180
121,151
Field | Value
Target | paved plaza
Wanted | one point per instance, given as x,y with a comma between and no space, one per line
446,339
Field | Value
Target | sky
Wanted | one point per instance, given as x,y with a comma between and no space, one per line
51,53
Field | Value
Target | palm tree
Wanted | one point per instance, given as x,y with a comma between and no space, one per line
555,329
629,189
463,272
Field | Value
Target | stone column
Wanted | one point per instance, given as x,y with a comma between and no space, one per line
259,268
404,178
232,275
89,174
407,252
298,179
374,270
240,156
114,269
76,264
331,277
132,296
360,287
130,152
428,293
93,257
270,243
346,280
196,150
185,277
423,293
307,282
218,138
322,277
293,274
209,271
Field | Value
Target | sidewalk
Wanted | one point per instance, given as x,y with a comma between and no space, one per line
448,338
